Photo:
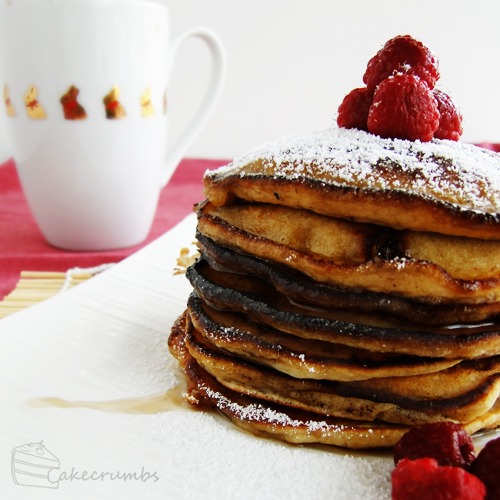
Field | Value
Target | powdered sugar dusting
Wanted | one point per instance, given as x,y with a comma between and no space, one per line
256,412
463,175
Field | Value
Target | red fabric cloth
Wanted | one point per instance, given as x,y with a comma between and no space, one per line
494,146
23,248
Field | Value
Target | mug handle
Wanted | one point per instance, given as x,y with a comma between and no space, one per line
212,94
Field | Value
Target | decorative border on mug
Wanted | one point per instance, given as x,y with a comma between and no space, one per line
73,110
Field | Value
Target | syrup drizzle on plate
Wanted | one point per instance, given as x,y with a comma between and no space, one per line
171,400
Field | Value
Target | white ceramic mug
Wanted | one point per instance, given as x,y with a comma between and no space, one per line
86,99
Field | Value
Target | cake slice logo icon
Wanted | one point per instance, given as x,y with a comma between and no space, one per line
32,464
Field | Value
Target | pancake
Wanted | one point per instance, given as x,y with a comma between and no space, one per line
419,280
300,427
459,394
271,420
341,241
348,288
264,305
298,357
440,186
289,424
301,289
347,242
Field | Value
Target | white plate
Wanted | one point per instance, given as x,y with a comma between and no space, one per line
107,339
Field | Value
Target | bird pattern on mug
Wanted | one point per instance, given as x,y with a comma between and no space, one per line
11,111
34,109
73,110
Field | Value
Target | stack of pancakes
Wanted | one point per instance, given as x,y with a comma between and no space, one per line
348,288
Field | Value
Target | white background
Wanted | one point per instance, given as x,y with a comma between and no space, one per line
291,62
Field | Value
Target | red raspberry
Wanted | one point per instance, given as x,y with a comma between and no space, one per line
450,123
402,54
404,107
423,479
487,468
353,112
446,442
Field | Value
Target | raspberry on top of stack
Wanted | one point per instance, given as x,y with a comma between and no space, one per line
399,99
348,287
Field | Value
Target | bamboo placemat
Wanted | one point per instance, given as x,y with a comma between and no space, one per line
34,287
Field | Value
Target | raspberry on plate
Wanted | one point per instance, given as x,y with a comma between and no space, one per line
445,442
450,123
402,54
353,112
405,108
487,468
424,479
